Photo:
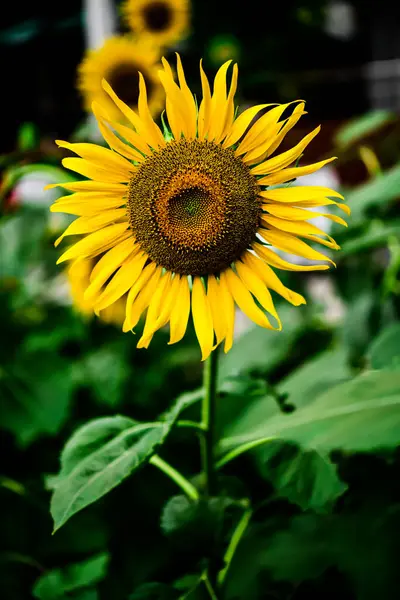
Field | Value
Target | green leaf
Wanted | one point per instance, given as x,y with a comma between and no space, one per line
194,524
56,583
307,479
363,126
27,136
362,545
101,454
261,350
384,351
376,192
376,236
36,396
359,415
107,371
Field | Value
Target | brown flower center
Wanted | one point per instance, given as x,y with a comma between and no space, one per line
157,16
193,207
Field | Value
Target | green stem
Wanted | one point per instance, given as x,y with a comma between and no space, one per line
177,477
208,421
191,425
233,544
209,587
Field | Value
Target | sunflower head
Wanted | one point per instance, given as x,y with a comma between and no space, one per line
163,21
191,223
119,61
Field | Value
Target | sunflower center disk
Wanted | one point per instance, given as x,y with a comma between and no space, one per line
193,207
157,16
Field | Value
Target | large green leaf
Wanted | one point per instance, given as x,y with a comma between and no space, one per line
101,454
35,396
359,415
384,351
59,583
353,131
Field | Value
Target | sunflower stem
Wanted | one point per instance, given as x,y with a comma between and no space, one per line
208,408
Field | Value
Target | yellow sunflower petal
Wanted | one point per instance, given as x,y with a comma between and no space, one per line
230,104
191,110
272,280
169,300
242,122
180,312
229,312
107,265
270,257
205,105
89,186
298,214
95,243
218,99
153,132
291,244
263,129
83,204
175,106
144,277
92,223
202,318
289,174
154,310
112,140
144,297
101,156
244,299
295,194
301,228
93,171
122,281
289,124
286,158
217,308
124,108
258,288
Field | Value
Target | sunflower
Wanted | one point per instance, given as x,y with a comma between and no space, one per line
191,223
79,279
162,21
119,61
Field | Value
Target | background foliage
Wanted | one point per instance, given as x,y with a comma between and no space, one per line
308,418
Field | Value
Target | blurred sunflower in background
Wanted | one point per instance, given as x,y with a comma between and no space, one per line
78,276
119,60
162,21
191,224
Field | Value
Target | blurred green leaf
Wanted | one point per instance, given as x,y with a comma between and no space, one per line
106,370
384,351
376,235
194,525
361,544
36,396
101,454
60,582
20,243
359,415
363,126
307,479
258,349
376,192
27,136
